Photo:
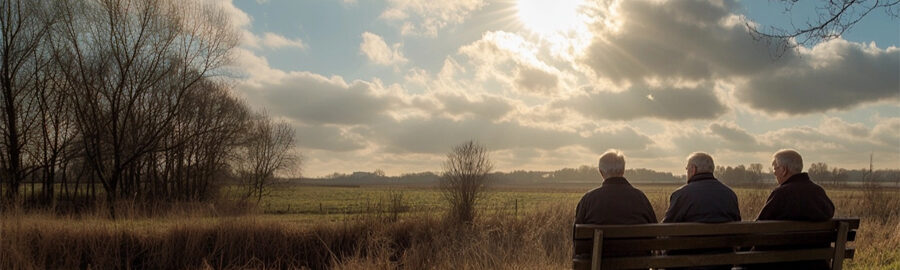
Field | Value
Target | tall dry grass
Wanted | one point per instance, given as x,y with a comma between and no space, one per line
46,242
536,240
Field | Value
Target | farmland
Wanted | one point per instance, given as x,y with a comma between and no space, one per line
375,226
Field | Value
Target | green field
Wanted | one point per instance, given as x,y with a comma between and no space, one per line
330,203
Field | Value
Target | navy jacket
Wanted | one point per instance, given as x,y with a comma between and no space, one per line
703,199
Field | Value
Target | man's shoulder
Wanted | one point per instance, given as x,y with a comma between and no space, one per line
798,186
614,190
682,190
592,191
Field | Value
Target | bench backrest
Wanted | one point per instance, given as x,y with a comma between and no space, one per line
640,246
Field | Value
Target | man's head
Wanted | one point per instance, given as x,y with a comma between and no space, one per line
612,164
699,162
786,163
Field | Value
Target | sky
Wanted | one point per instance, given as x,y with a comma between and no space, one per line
395,84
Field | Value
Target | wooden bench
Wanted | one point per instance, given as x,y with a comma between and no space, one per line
602,246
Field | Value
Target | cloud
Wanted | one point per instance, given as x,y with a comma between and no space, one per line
512,60
314,99
826,145
702,41
734,137
644,101
623,138
374,47
836,126
676,40
275,41
716,137
536,80
437,134
327,137
481,106
834,75
887,134
426,17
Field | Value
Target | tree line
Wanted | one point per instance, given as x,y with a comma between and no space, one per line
127,99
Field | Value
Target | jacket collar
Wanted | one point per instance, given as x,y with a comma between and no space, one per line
615,181
800,177
701,177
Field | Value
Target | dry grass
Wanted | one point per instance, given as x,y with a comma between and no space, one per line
42,242
536,240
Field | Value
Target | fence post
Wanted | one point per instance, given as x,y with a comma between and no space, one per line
517,207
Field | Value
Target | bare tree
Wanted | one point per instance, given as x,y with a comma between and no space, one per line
819,172
838,176
206,133
266,151
24,26
833,19
127,94
465,179
130,65
756,173
54,133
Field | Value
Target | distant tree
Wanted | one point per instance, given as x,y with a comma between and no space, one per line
266,151
819,172
838,176
465,178
755,173
833,18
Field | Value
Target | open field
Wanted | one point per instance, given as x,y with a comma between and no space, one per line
374,227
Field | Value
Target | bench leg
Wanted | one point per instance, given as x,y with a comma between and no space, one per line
840,244
597,251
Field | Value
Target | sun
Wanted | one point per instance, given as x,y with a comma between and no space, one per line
550,17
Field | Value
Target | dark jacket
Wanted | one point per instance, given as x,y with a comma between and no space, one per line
797,199
614,202
703,199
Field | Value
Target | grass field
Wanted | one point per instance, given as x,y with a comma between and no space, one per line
374,227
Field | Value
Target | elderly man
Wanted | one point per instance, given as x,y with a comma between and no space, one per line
615,201
702,199
796,198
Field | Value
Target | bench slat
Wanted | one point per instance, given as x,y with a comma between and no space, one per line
586,263
727,241
585,231
745,257
630,244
